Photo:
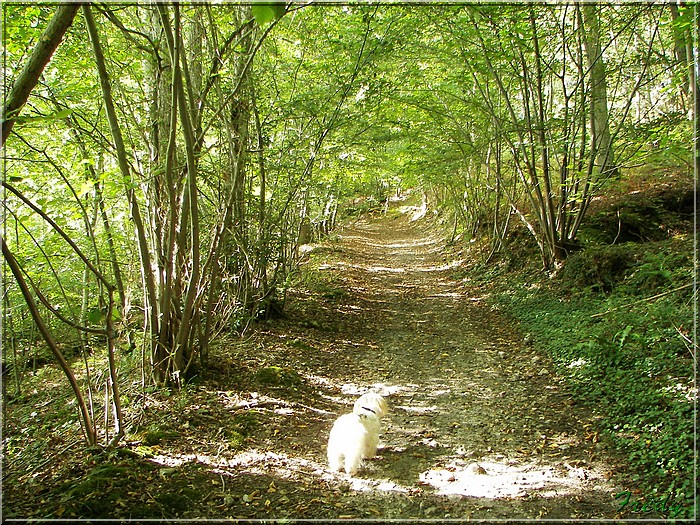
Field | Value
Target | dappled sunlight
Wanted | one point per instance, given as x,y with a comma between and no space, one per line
353,389
418,428
251,461
255,400
493,477
417,410
381,269
368,485
415,266
454,295
441,268
503,478
419,452
275,464
398,247
405,252
364,267
408,243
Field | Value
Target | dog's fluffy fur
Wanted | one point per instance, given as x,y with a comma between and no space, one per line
356,436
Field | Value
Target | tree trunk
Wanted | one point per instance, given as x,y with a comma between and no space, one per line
683,52
151,296
601,140
88,426
28,78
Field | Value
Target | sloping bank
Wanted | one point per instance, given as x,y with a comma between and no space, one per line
618,322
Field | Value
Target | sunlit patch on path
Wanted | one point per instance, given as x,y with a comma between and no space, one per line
504,479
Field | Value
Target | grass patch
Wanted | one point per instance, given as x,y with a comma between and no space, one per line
278,376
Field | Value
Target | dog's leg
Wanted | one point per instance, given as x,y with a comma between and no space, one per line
335,460
352,464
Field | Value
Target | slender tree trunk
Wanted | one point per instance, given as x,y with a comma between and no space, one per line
113,379
89,428
262,210
40,57
694,61
146,266
684,55
601,139
554,235
184,353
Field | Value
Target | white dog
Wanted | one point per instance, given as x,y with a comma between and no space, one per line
356,436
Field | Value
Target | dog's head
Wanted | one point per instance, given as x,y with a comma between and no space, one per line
371,403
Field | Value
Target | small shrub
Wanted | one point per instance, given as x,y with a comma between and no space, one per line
659,270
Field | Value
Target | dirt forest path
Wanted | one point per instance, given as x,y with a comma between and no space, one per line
479,428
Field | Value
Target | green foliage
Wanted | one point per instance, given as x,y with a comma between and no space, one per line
44,119
645,272
264,12
599,269
628,360
354,102
655,272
